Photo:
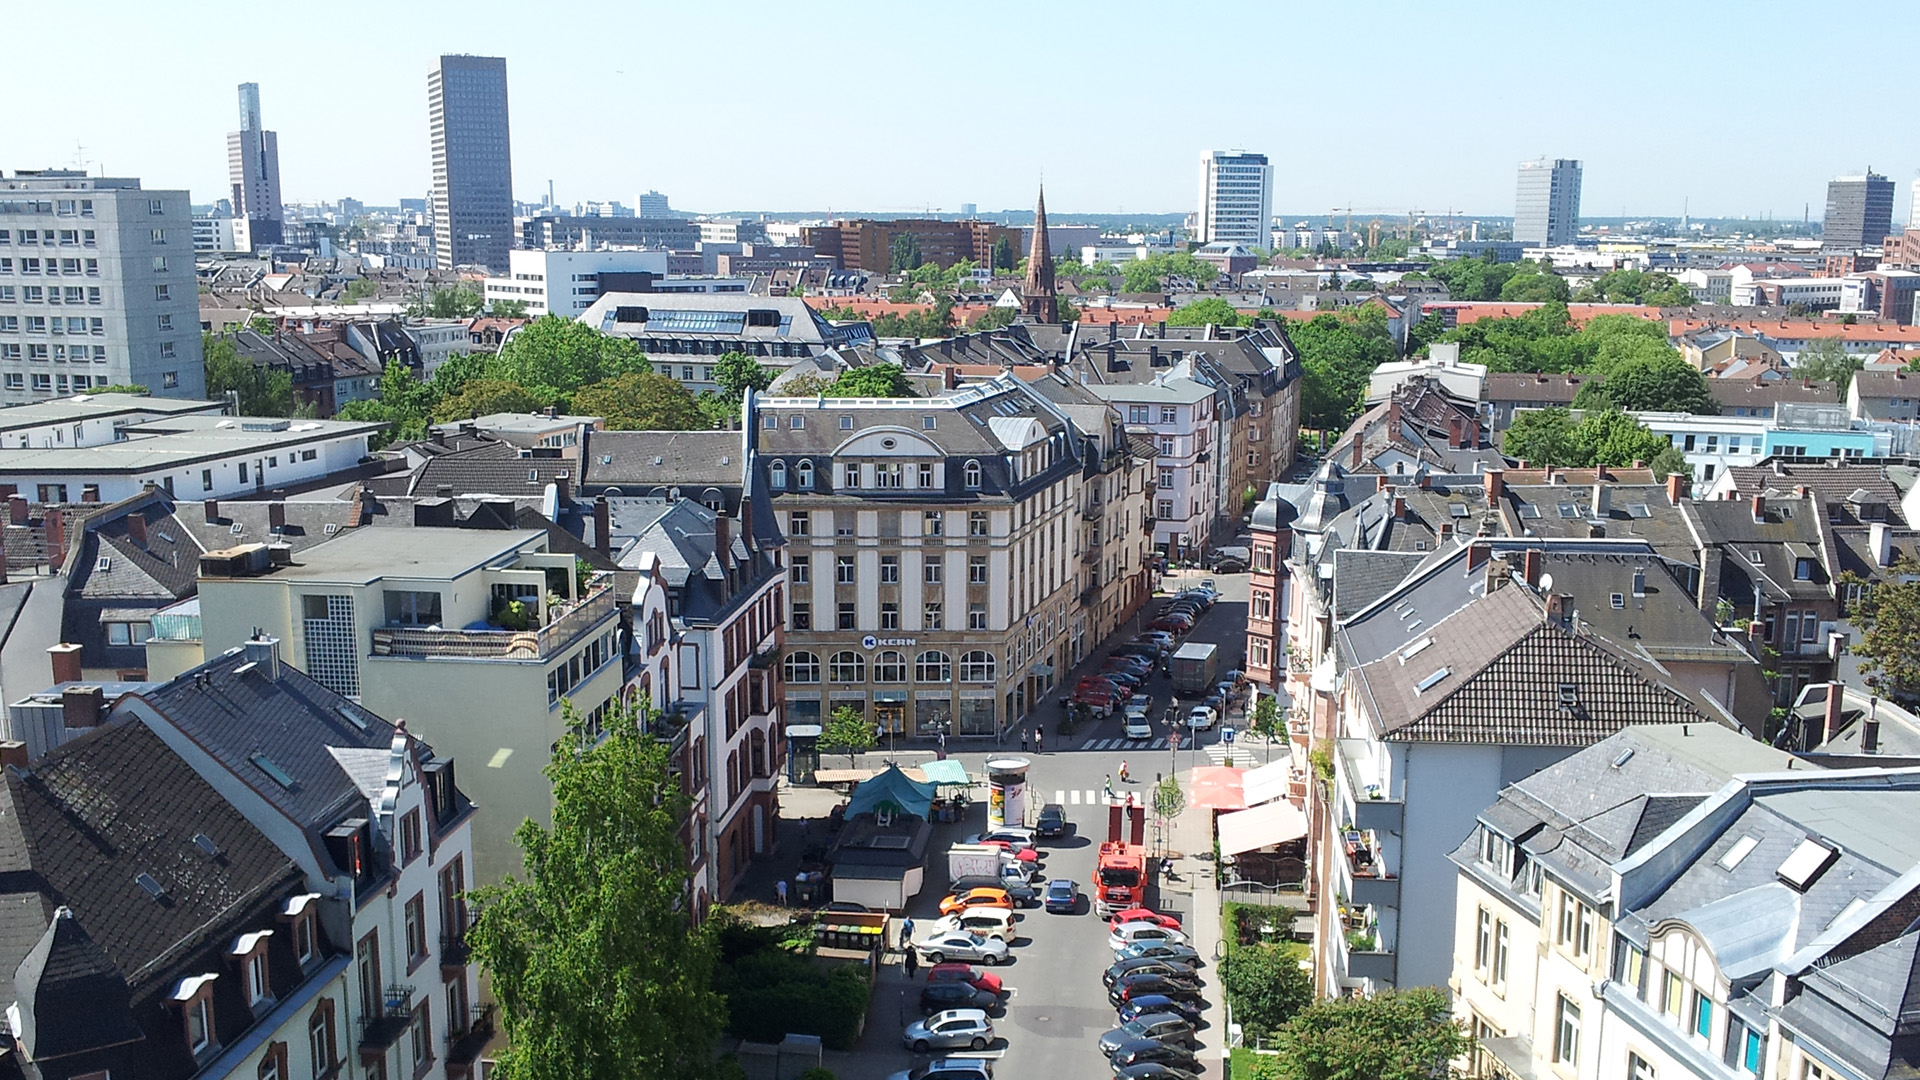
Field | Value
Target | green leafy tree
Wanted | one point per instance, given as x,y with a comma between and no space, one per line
720,410
554,357
359,289
737,373
451,302
1266,985
1827,360
847,732
508,309
1002,257
1068,312
1604,436
1611,437
805,386
1662,384
1211,311
1541,437
590,953
933,322
992,319
1149,275
642,401
1337,354
1393,1035
1474,279
1266,717
1534,283
1888,616
905,252
137,389
484,397
1168,799
840,313
872,381
262,325
1636,287
263,391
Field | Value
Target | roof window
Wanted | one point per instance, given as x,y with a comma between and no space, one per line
1431,681
1741,848
1805,864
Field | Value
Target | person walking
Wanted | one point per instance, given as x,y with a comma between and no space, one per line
912,962
906,931
1037,748
1109,787
1023,740
1123,772
780,890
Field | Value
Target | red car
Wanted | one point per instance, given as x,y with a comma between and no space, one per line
972,976
1173,624
1140,914
1027,855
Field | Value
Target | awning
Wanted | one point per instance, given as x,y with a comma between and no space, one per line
1262,826
891,790
1324,676
1217,787
1269,781
945,773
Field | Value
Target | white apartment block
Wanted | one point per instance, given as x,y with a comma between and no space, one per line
1236,198
96,287
214,233
566,283
1179,412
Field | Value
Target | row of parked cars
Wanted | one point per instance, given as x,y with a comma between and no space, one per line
1154,985
1118,687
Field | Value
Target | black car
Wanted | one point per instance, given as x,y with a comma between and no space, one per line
1146,965
1146,1004
1021,895
1160,1027
1154,1070
955,995
1140,649
1053,821
1177,987
1141,1051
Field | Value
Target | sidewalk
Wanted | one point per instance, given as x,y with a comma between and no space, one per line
1197,892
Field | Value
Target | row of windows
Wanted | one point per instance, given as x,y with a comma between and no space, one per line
78,354
890,666
55,383
49,237
932,616
932,523
53,267
886,475
1689,1008
50,294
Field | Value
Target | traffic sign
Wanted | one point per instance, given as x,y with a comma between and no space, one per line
1226,735
1173,739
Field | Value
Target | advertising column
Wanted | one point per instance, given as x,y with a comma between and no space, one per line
1007,791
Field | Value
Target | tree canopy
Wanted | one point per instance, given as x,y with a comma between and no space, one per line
1337,354
736,373
263,391
872,381
590,953
1602,437
1651,384
846,732
452,302
1485,278
1150,274
553,357
1636,287
483,397
1211,311
1888,616
642,401
1827,360
1393,1035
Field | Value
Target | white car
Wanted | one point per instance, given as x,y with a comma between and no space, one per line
1202,717
1128,933
980,921
960,945
1136,725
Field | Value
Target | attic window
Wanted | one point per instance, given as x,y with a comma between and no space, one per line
1741,848
1529,512
352,717
1568,510
103,565
146,881
206,845
332,527
533,476
606,459
1569,695
238,528
1805,864
1639,510
1416,648
1755,557
1457,509
274,772
1431,681
1618,600
926,422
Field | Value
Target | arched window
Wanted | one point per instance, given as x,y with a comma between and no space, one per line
803,667
890,666
777,475
973,475
804,474
847,666
933,666
977,666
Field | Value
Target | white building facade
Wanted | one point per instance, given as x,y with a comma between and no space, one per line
1236,198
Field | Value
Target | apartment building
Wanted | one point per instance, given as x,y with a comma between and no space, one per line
1236,198
1178,414
1884,395
566,283
867,244
933,553
96,287
477,637
1547,202
684,334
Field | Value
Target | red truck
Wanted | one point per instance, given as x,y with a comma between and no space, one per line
1120,879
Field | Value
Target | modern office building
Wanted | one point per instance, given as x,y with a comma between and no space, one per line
653,205
866,244
1859,212
567,283
253,168
1236,198
1546,206
96,287
472,162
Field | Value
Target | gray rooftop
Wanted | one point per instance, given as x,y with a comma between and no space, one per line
96,406
180,441
363,556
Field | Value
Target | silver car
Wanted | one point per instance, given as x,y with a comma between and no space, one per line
955,1028
960,945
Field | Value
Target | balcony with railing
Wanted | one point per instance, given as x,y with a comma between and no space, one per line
454,951
566,624
383,1022
464,1047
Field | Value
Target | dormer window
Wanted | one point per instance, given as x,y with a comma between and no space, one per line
804,474
194,994
250,952
972,474
777,476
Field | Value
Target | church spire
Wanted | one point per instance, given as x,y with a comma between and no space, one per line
1037,297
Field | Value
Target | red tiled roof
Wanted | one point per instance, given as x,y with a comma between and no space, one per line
1472,311
1803,329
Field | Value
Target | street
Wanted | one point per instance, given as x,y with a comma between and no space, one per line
1058,1008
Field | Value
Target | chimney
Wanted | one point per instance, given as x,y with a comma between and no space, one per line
1554,477
1759,509
1869,729
603,527
1602,500
137,529
17,509
1880,539
276,517
1393,414
1639,463
1446,531
1453,432
1477,553
1356,450
66,662
563,491
82,706
1530,567
213,511
263,650
1399,508
1496,485
1836,704
723,540
56,524
1560,609
1382,482
1472,433
950,377
13,754
1676,487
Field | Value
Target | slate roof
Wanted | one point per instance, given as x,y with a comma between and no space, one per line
1530,388
681,534
1789,531
1769,393
490,467
1852,494
1882,384
1536,509
1361,577
636,462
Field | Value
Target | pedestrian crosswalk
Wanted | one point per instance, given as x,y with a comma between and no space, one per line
1218,753
1124,744
1089,797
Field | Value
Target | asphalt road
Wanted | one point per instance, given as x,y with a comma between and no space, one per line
1058,1007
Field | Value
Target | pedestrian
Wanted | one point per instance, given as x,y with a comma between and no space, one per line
1023,740
1123,772
803,830
912,962
1109,785
906,931
1037,748
780,890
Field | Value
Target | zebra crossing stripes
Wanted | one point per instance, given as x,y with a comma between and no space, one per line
1124,744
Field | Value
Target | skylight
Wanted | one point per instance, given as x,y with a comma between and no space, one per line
1639,510
146,881
1741,848
352,717
1805,864
1617,600
274,772
1415,649
1431,681
1568,510
1530,512
1622,758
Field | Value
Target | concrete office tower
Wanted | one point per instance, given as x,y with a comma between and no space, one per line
1236,198
253,169
1859,212
102,290
654,205
472,162
1546,208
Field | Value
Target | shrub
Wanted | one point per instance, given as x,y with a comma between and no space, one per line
1265,984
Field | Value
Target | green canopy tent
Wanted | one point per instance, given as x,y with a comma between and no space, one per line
891,792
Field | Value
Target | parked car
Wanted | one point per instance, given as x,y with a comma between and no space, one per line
1160,1027
1129,681
1141,914
1129,933
1127,661
1028,856
1154,1070
949,1068
1230,564
989,922
1144,1004
1172,986
1017,889
845,905
1167,949
1136,725
1019,836
1163,639
1052,822
1144,965
995,897
978,978
1202,717
956,995
1140,1051
1178,624
1063,896
951,1029
1145,650
958,945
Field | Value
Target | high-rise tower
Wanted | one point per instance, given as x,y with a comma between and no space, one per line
1546,205
253,169
472,162
1859,212
1037,297
1236,198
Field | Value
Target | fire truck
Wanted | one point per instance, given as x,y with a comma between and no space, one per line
1120,882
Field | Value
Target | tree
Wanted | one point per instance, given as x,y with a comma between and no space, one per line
720,410
1266,985
553,357
905,252
1827,360
484,397
1611,437
1212,311
847,732
736,373
1149,275
1657,384
591,954
1393,1035
872,381
508,309
359,289
1337,354
1888,616
1002,257
642,401
262,325
263,391
1534,283
1541,437
993,318
453,302
805,386
136,389
1168,799
1266,717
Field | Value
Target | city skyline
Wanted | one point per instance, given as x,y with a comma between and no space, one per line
367,138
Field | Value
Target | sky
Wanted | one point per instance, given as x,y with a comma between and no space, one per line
895,108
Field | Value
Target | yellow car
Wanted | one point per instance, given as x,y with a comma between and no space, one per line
973,898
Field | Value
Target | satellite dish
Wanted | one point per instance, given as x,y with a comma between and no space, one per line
1546,582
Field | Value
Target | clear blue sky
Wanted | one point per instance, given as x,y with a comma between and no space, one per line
899,107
